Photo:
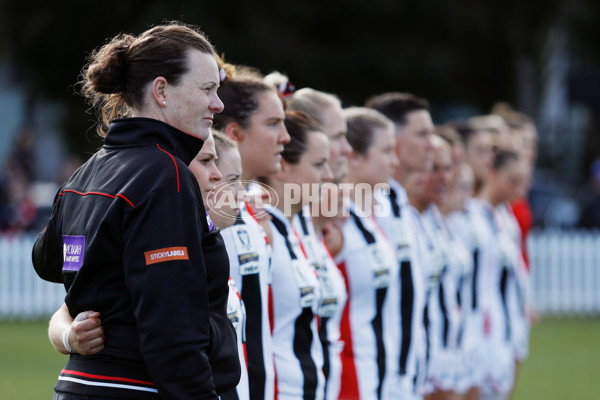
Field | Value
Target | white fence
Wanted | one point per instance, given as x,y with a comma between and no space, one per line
23,295
565,268
565,276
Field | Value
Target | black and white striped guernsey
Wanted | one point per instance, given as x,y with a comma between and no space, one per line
249,259
296,297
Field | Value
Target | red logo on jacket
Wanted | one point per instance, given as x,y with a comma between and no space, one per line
166,254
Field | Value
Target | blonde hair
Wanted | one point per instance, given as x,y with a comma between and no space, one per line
276,79
502,134
492,123
312,102
440,144
222,141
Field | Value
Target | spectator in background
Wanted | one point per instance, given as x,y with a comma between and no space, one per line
590,211
18,211
25,203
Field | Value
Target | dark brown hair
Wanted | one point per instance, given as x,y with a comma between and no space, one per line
449,134
239,90
298,124
464,129
362,123
396,105
503,158
117,73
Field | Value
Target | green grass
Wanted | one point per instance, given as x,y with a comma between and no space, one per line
29,365
564,361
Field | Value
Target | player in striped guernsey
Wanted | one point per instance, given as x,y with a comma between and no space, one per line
333,299
413,129
223,208
442,308
254,118
517,300
460,226
296,289
369,326
498,273
457,191
326,109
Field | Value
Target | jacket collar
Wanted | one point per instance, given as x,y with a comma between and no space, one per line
129,132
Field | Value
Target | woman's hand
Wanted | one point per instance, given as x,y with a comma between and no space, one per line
86,335
83,335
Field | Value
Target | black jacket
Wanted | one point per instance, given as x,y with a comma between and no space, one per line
129,237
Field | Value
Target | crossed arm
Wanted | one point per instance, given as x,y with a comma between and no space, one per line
84,334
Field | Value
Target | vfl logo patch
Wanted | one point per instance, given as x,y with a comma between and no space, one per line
73,250
166,254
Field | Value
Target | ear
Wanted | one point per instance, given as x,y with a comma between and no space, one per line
159,86
234,132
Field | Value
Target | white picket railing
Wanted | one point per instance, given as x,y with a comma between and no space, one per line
565,276
565,272
23,295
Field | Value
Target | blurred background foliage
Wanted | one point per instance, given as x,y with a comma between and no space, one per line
543,57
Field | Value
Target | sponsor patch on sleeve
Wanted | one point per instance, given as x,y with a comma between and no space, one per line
166,254
73,251
210,223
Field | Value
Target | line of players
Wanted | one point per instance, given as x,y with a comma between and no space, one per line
416,291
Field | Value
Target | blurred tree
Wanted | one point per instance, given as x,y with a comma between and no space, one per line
465,52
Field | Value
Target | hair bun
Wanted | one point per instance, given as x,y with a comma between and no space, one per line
107,73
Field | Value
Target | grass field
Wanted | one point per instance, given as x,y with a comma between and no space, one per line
564,361
28,363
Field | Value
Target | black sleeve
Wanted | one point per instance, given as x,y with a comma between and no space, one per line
169,293
47,254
